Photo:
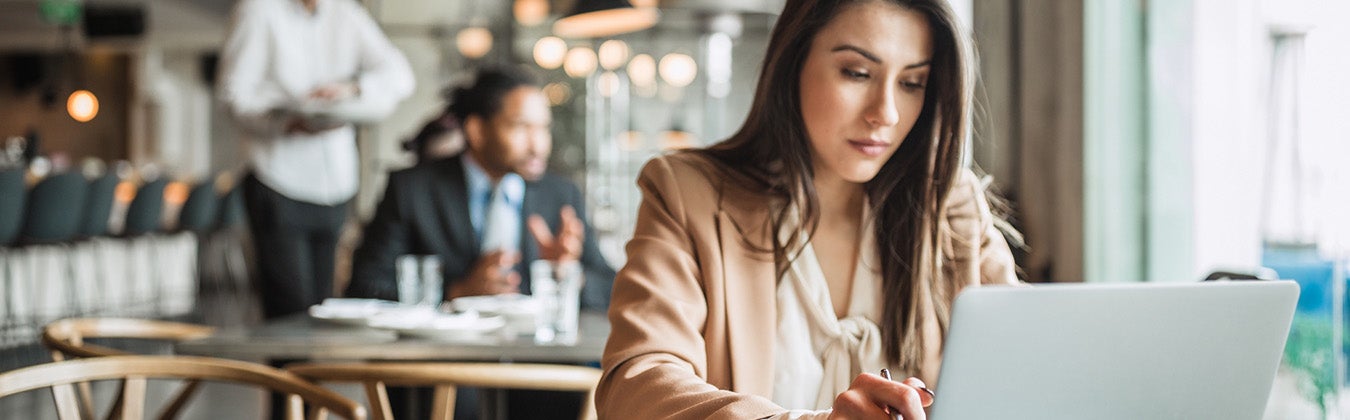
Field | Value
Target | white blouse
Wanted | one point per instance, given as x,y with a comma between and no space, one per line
816,354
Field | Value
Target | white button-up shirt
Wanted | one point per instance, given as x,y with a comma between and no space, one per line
276,54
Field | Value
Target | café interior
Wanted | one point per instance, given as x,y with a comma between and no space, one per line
1132,142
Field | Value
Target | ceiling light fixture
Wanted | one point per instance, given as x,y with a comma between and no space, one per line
604,18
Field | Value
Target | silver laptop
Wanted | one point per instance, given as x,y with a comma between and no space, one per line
1121,351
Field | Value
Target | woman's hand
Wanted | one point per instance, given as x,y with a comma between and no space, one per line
869,397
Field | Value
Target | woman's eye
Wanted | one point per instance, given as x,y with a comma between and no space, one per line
854,74
912,85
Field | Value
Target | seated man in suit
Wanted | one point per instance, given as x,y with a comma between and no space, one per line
450,207
445,207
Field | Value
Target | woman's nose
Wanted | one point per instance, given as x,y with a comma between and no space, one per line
882,111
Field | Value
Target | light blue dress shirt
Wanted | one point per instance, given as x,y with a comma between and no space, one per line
480,193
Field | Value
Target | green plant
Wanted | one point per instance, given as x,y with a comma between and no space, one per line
1311,354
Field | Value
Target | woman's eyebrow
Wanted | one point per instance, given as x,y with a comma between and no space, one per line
865,53
873,57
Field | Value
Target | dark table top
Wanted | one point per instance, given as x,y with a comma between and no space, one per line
300,337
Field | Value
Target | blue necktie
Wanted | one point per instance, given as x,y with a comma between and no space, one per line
501,223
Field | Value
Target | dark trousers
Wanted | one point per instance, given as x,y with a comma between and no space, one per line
296,247
296,244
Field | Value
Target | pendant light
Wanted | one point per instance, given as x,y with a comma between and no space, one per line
604,18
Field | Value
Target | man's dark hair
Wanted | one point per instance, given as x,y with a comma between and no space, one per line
484,96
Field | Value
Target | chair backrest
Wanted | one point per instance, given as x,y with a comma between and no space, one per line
446,376
98,205
65,338
134,370
12,195
199,212
55,206
146,211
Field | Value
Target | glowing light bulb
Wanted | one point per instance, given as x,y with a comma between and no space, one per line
642,70
580,62
474,41
530,12
678,70
549,52
613,53
557,93
82,105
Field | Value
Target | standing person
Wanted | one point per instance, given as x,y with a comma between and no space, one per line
772,275
296,75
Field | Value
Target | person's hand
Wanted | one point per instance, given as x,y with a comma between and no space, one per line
299,125
566,245
335,91
491,275
872,397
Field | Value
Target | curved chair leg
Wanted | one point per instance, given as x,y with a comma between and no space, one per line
377,394
443,403
179,400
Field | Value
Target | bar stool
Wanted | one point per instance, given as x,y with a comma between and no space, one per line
51,222
14,192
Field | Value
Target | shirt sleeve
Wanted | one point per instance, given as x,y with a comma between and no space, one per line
385,78
251,98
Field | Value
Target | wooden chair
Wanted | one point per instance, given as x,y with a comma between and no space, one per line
446,376
135,370
65,338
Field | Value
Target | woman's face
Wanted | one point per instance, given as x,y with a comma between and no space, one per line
862,87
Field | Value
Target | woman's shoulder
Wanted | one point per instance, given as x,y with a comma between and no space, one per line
691,171
695,178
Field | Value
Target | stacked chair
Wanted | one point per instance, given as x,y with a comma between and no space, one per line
11,223
51,224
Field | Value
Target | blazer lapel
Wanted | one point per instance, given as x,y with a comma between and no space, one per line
453,195
529,250
750,283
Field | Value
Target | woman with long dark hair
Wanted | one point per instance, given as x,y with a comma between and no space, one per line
774,273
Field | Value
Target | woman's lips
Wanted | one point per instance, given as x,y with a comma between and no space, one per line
870,148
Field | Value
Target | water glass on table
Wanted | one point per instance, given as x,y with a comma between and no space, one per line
557,286
419,280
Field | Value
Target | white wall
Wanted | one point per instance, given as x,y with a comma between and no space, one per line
1230,58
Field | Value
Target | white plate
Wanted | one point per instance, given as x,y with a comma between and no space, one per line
349,311
436,325
510,304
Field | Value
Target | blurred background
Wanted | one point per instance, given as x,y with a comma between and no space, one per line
1134,141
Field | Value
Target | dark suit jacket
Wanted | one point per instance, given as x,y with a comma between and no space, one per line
425,211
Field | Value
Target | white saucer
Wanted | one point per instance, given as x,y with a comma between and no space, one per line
349,311
436,325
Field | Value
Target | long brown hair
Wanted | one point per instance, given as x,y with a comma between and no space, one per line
772,149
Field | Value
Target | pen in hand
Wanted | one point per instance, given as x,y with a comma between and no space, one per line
895,414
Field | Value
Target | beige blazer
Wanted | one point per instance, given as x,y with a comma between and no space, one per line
693,311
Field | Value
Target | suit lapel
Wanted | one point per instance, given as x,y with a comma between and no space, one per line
529,250
453,194
750,283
